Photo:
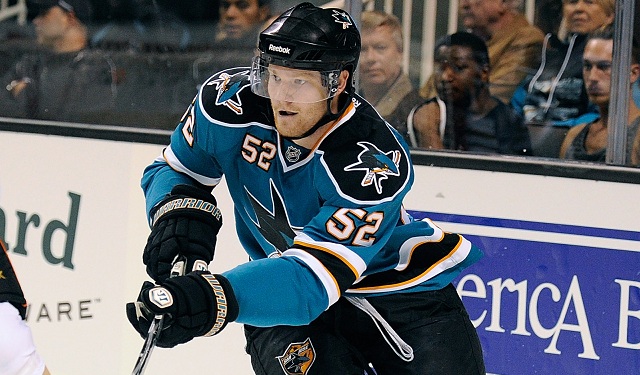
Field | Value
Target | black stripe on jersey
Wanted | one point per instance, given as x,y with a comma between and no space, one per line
424,256
341,272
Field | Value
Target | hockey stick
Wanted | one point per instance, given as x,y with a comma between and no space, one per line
156,327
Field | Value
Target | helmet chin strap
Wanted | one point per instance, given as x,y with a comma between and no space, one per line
328,116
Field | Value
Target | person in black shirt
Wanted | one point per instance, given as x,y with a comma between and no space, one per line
464,115
63,80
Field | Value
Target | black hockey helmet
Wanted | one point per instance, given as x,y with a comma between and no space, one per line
310,38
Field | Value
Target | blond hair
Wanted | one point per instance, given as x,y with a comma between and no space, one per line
372,19
608,6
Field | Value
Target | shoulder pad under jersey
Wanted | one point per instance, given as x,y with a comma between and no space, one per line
226,96
365,159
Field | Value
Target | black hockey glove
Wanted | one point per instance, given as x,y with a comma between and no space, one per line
198,304
185,223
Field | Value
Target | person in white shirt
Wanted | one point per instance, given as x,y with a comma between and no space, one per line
18,354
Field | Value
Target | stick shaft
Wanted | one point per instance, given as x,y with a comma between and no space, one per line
155,328
149,344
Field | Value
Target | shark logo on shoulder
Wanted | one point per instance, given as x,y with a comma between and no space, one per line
377,164
229,87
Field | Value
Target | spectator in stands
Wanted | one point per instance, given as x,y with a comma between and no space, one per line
513,43
242,20
588,141
548,15
465,116
382,80
555,94
64,80
236,36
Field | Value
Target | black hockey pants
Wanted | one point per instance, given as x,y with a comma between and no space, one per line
345,341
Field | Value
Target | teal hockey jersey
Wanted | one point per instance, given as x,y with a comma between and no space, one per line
317,223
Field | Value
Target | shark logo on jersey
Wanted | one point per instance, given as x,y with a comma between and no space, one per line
273,225
298,358
377,164
343,18
229,87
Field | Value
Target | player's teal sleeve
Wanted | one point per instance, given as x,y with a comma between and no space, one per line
180,163
290,291
283,291
277,291
157,181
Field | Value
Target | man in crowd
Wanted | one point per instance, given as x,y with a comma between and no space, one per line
64,80
514,44
589,141
236,33
382,80
242,19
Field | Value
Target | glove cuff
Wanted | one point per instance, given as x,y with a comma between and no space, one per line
189,200
224,300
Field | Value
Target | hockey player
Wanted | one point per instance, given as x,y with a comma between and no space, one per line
18,355
340,275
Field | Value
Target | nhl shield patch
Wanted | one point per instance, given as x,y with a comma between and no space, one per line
298,358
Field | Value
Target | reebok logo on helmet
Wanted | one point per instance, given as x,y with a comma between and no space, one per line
280,49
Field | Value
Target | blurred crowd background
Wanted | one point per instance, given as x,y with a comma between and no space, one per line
139,63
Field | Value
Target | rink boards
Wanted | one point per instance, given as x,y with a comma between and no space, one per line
558,290
552,299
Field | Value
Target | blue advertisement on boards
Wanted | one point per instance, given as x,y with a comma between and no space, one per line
542,306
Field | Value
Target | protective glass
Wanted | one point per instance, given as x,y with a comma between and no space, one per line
292,85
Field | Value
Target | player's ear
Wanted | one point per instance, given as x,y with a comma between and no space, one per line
344,78
635,72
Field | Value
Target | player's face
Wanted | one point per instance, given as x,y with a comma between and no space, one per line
458,75
297,85
51,25
237,17
596,70
584,16
298,99
380,58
